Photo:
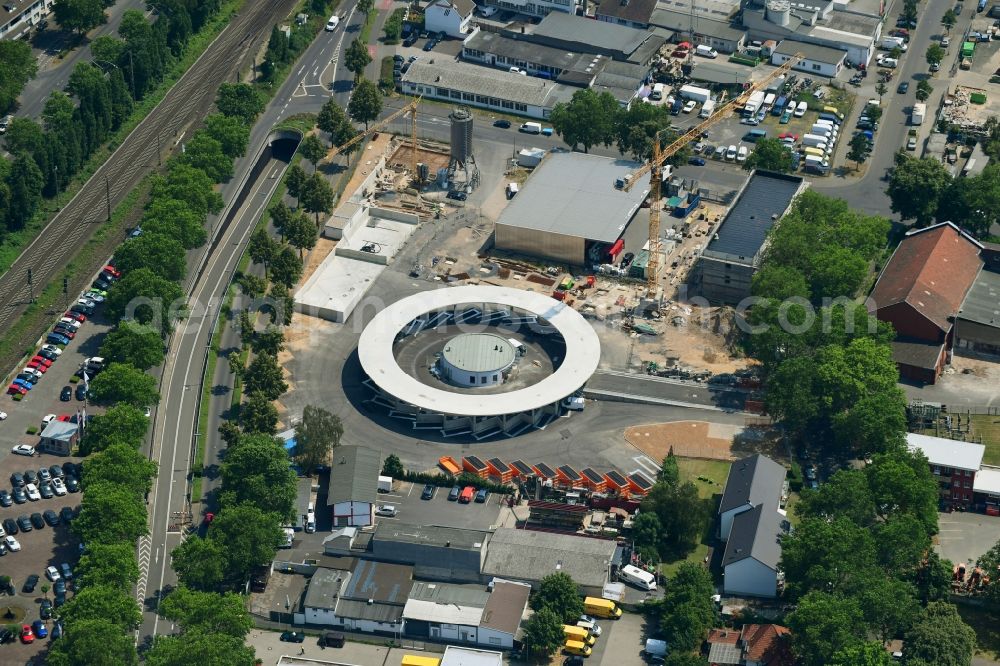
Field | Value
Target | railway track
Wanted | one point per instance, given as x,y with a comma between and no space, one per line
188,100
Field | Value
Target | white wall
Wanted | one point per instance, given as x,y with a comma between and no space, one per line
751,577
320,616
809,66
447,20
504,641
352,514
329,618
468,99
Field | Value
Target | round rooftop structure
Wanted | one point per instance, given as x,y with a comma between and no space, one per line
478,352
477,359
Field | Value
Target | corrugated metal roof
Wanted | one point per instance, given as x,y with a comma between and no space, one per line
379,581
765,198
354,475
947,452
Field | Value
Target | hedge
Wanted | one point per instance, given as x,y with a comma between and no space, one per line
464,479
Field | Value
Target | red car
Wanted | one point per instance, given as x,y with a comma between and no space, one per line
65,418
37,366
41,359
27,635
75,315
789,135
65,332
14,389
111,269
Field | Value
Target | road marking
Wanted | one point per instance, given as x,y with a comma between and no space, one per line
140,589
647,465
336,53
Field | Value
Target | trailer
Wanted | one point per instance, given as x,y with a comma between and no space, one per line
695,93
637,577
753,103
707,109
918,113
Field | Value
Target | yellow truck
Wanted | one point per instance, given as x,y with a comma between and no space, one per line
576,647
578,634
601,608
416,660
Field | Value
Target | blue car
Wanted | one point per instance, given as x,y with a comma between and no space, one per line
56,339
696,161
39,628
20,382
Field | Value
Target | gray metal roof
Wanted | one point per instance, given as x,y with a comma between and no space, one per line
916,353
449,593
982,303
487,81
62,431
637,11
455,538
756,533
478,352
323,588
379,581
357,609
765,198
727,73
814,52
505,607
574,194
513,46
753,481
852,22
354,475
597,36
680,22
530,556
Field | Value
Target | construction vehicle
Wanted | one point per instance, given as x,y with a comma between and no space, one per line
660,155
410,108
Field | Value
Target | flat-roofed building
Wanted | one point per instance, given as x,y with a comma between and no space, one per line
715,31
440,553
953,463
18,17
630,13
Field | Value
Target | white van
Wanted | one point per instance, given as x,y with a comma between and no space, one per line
332,24
657,93
531,128
706,51
801,109
636,576
512,190
310,519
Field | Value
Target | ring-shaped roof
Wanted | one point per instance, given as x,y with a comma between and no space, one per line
375,350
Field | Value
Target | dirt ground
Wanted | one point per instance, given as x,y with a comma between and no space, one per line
434,159
689,439
316,256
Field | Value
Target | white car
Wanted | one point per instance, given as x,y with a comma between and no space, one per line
13,545
52,349
731,153
690,106
801,109
945,41
73,323
94,296
58,487
386,510
741,155
32,491
31,371
52,574
49,418
23,450
3,416
332,24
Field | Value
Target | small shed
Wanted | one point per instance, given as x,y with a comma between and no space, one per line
59,438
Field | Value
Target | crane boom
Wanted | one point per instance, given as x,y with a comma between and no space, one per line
410,108
724,110
654,167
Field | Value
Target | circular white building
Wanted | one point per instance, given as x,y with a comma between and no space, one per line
476,359
484,406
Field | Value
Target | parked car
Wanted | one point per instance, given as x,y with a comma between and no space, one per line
66,514
38,626
58,487
482,495
5,499
454,493
45,609
501,123
20,497
428,492
903,87
292,637
81,391
29,584
52,573
696,161
13,545
388,510
911,143
72,484
51,517
17,479
457,195
67,572
32,492
45,490
27,635
66,394
24,523
37,521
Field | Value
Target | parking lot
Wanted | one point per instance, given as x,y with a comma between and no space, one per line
964,537
438,510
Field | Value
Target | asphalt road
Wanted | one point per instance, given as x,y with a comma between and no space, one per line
53,72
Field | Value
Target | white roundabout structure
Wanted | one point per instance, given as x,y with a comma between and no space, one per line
470,411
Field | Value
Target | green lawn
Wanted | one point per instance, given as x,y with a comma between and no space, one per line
988,427
708,475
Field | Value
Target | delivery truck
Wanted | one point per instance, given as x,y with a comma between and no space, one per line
753,103
707,109
695,93
918,113
890,43
637,577
814,140
601,608
706,51
818,164
531,128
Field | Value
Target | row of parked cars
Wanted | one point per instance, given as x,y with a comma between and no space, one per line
46,483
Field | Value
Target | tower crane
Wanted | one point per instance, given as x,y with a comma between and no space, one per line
654,167
410,108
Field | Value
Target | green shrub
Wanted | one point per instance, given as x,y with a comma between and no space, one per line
464,479
795,478
32,430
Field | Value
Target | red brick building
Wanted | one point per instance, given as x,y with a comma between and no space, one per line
920,291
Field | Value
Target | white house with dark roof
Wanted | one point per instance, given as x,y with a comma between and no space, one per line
751,523
452,17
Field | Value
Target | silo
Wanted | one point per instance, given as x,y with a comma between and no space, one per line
462,170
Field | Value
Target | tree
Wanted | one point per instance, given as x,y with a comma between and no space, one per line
881,89
901,483
924,90
108,564
949,19
366,102
317,435
95,602
248,536
391,466
313,149
558,593
17,67
269,341
316,197
137,346
122,465
646,534
199,563
829,555
79,15
120,423
262,247
216,614
24,184
96,642
932,578
935,54
176,217
200,648
356,58
302,234
147,299
859,150
164,255
543,632
823,625
366,6
231,132
286,268
863,654
939,638
669,473
183,182
681,513
973,203
889,605
259,415
916,187
637,126
264,375
684,659
590,118
295,180
252,285
109,514
688,608
123,383
769,155
909,12
331,117
240,100
205,152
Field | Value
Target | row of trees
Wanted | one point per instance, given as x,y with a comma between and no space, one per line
17,67
590,119
924,191
97,100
